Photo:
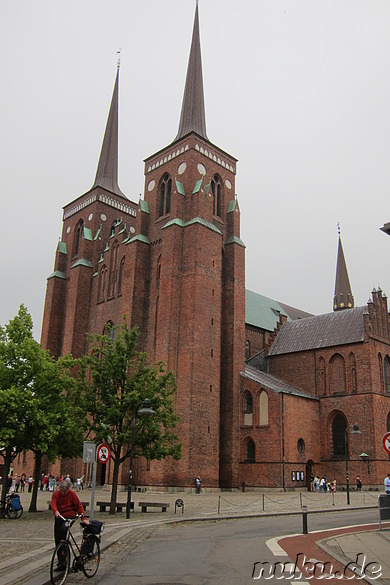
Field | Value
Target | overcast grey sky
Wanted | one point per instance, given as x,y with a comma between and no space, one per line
297,90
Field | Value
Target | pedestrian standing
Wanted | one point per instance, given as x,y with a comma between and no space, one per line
197,485
387,484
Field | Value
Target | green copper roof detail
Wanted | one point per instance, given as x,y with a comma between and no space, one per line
106,248
101,258
57,274
183,224
87,234
144,205
122,230
82,262
198,185
232,205
98,232
62,247
180,187
207,187
139,238
235,240
175,221
95,274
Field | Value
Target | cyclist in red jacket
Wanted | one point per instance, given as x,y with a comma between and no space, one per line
65,502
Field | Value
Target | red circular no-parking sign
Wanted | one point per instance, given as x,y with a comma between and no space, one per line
103,453
386,442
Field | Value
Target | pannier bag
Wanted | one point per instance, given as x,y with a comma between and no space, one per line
94,527
15,502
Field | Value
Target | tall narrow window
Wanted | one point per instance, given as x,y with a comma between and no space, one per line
381,380
337,369
113,269
77,238
248,409
247,349
386,374
102,283
216,189
321,377
263,408
250,451
338,436
352,373
120,275
165,195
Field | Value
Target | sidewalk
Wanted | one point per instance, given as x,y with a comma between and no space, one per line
27,543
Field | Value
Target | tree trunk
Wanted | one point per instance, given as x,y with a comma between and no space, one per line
114,488
7,464
37,472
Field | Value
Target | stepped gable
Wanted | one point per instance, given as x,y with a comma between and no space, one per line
272,383
331,329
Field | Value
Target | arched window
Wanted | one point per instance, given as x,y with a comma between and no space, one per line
321,377
337,372
79,232
165,195
102,283
109,330
247,349
339,426
386,374
120,276
158,271
113,268
352,373
216,190
250,451
248,409
263,408
381,380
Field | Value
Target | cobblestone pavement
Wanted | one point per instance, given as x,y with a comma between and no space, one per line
27,543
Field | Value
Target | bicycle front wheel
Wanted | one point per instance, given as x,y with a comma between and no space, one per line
60,564
11,513
91,555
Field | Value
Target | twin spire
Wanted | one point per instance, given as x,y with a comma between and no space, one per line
192,119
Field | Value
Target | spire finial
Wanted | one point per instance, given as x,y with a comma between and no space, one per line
119,58
338,227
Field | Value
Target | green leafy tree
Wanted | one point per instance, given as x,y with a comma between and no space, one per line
116,379
39,407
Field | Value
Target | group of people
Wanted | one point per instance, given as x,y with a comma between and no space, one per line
323,485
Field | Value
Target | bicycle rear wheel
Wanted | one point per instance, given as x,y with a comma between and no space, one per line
91,555
60,564
11,513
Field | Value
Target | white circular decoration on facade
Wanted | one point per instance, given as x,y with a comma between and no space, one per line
201,169
68,229
182,168
90,216
132,229
228,184
103,216
151,185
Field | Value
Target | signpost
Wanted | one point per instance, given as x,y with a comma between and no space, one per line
92,454
386,442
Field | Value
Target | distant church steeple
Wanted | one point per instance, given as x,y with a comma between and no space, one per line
343,298
107,171
193,118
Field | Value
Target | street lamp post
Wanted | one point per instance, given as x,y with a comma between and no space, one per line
355,431
145,404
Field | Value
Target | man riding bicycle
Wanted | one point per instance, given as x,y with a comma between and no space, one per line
65,502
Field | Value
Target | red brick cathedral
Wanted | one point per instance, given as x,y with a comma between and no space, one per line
268,395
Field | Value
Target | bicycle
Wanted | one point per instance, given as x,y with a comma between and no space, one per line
9,509
85,557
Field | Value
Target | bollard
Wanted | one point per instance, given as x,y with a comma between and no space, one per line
304,520
219,504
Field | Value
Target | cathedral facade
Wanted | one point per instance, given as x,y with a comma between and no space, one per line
267,394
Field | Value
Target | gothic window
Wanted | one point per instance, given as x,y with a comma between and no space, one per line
216,190
250,451
109,330
337,372
120,276
102,283
77,238
352,373
381,380
248,409
263,408
247,350
338,436
165,195
386,374
322,376
113,269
